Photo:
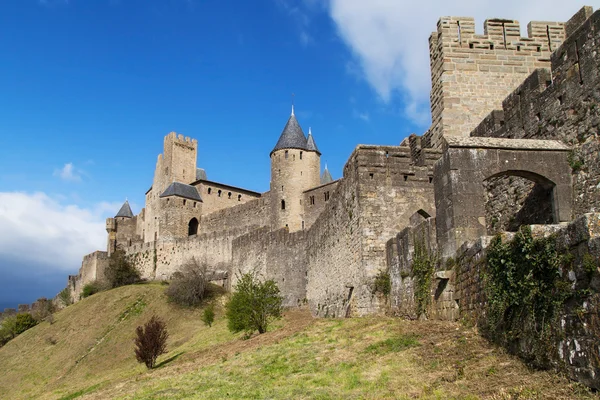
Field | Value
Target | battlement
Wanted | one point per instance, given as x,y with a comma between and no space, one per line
179,138
499,34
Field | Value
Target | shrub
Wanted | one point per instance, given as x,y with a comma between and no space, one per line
151,341
90,289
120,271
8,330
253,305
382,283
188,286
23,322
65,297
42,309
208,315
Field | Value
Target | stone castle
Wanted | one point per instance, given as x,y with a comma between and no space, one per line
514,140
504,107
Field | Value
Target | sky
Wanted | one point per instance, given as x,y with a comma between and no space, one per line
89,88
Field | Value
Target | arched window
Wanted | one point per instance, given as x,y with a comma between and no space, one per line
193,227
286,154
219,193
239,197
209,190
283,204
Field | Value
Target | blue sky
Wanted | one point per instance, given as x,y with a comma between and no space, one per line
89,88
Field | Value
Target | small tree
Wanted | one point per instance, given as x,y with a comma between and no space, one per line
188,286
253,305
65,297
120,271
23,322
208,315
8,329
151,341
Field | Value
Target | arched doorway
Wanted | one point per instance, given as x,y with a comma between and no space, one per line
193,227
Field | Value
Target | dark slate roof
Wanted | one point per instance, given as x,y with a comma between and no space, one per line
125,211
182,190
310,143
326,177
200,174
292,136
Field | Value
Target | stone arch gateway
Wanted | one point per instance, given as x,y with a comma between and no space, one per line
465,165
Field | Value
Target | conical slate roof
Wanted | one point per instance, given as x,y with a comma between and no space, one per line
326,177
201,174
292,136
125,211
310,143
182,190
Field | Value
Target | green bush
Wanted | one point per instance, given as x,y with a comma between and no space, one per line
151,341
120,271
23,322
253,305
189,284
65,297
208,315
8,329
90,289
382,283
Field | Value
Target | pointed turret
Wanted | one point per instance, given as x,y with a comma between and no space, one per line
326,177
310,143
292,136
125,211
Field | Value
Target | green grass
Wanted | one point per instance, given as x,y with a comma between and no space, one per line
300,358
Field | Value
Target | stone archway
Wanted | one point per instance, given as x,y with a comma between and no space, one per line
193,227
467,163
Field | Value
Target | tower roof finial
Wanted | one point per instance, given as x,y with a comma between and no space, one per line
293,103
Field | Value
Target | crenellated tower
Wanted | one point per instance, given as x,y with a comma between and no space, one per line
295,167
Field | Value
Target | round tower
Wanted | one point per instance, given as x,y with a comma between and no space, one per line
295,167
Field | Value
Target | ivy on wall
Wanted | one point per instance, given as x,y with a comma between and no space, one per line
423,268
525,290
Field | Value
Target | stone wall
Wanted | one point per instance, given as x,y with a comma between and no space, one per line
92,269
578,326
247,216
278,255
217,196
562,104
315,200
471,74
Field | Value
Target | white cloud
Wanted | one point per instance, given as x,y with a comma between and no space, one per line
389,38
68,173
362,115
38,230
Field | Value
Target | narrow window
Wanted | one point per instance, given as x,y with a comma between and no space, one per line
405,178
168,200
430,179
302,225
301,155
229,195
184,202
209,190
286,154
219,193
293,157
194,204
283,204
326,196
371,175
282,188
239,197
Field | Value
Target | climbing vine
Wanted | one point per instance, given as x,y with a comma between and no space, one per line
524,287
424,263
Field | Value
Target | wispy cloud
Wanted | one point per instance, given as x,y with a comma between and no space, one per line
389,38
299,11
361,115
68,173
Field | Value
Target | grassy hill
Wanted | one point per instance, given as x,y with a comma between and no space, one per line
88,354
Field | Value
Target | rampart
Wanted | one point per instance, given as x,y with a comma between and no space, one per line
471,74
